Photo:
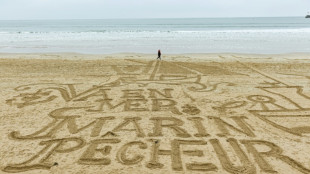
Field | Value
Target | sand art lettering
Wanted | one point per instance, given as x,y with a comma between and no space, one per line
91,154
154,115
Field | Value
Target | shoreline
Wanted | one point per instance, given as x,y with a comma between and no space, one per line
188,56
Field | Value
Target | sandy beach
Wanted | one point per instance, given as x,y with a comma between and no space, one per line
130,113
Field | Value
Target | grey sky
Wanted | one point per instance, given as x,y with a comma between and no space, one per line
98,9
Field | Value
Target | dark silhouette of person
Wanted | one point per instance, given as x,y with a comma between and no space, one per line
159,54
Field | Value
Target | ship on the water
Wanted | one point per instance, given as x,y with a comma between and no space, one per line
308,15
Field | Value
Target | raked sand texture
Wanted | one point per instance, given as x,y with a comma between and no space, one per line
130,113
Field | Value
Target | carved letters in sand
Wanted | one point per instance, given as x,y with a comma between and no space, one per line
159,117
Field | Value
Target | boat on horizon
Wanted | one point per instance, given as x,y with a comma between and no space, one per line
308,15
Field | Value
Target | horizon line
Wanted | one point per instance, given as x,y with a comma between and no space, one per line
146,18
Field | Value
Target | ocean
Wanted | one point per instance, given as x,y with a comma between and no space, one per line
173,36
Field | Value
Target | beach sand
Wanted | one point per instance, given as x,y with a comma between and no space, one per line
128,113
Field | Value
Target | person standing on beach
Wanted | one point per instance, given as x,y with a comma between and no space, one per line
159,54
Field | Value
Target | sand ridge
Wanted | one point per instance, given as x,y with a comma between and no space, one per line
127,113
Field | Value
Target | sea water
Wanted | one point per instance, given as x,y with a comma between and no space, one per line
190,35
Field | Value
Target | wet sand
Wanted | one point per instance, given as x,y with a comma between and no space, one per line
128,113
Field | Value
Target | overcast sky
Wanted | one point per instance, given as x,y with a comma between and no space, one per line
100,9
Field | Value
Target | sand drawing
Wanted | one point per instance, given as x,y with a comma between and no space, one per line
299,105
161,117
300,111
41,94
32,94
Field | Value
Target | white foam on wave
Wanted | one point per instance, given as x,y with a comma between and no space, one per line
299,30
199,37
